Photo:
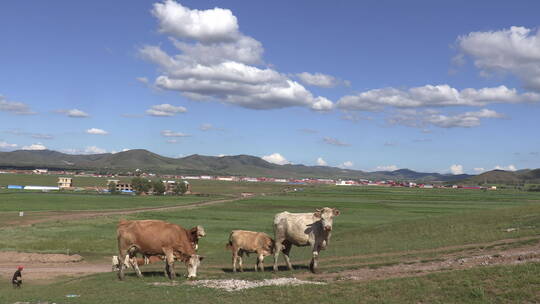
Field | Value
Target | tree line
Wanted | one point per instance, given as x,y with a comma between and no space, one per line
142,186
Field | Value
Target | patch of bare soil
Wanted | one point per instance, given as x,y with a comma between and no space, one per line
446,262
23,257
47,267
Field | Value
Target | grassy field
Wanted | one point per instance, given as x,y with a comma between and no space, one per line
373,221
70,201
503,284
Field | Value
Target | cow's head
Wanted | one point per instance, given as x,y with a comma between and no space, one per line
200,232
196,233
269,245
327,217
192,264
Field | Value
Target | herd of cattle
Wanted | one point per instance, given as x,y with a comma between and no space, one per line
158,240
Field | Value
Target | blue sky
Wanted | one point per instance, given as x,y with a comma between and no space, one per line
374,85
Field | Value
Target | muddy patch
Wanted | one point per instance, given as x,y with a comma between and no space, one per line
23,257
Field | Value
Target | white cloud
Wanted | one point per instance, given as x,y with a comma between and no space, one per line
165,110
41,136
6,145
515,50
94,150
97,131
421,119
318,80
309,131
172,141
206,127
456,169
205,25
479,170
346,165
209,127
143,80
335,142
74,113
37,146
169,133
432,96
216,62
386,168
14,107
276,158
506,168
354,117
321,162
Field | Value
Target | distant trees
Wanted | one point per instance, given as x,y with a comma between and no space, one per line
158,187
181,188
112,188
140,185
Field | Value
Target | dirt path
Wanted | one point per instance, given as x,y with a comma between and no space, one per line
43,268
48,216
497,253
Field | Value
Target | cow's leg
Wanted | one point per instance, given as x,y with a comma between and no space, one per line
135,265
286,250
234,258
122,255
240,256
278,245
169,268
260,261
315,259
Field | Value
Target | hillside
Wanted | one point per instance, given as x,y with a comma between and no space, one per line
505,177
239,165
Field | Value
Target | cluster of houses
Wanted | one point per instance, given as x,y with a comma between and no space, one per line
66,182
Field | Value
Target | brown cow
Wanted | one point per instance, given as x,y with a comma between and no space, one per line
243,241
156,238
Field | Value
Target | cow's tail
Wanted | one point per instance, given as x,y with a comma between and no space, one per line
228,246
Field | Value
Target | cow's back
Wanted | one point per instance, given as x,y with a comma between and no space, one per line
250,240
151,236
293,227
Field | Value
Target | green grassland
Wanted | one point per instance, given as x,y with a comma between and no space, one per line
373,221
501,284
71,201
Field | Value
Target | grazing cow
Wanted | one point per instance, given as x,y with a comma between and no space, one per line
242,241
195,234
156,238
303,229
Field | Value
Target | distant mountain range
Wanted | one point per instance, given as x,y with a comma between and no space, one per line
506,177
237,165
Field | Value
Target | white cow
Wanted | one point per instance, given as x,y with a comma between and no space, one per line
303,229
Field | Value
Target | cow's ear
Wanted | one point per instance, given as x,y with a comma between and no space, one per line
317,214
201,257
336,212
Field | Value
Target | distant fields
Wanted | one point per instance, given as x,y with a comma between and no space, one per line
71,201
373,221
